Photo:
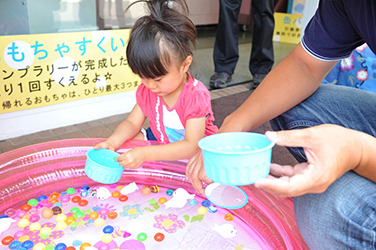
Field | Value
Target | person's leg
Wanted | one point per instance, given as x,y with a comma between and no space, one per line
145,135
225,53
149,135
344,216
262,54
345,106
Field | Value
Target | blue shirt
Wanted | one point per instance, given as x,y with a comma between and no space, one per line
340,26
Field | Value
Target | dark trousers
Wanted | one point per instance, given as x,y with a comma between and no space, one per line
226,52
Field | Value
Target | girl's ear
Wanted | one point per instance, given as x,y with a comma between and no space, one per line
187,62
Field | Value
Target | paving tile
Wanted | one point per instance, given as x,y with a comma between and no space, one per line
6,149
42,140
98,132
47,134
73,135
224,106
94,123
113,125
105,120
32,137
112,119
4,145
219,93
82,126
64,130
19,141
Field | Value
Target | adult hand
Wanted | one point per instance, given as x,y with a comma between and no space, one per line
132,158
195,172
331,151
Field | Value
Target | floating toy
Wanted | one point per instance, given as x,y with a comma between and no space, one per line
225,230
130,188
179,198
5,223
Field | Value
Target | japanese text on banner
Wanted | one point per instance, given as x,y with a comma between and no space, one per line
45,69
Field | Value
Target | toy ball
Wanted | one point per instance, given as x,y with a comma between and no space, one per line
159,237
107,238
39,246
99,222
35,226
108,229
154,189
146,190
46,231
15,244
202,210
34,218
23,223
61,225
192,202
212,209
57,210
65,198
61,217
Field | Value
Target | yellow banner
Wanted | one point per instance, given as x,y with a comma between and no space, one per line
46,69
287,27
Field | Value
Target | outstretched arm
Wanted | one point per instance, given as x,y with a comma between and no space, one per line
184,149
294,79
126,130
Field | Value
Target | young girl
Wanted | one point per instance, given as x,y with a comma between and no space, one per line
177,105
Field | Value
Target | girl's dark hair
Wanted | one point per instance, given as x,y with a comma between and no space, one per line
156,39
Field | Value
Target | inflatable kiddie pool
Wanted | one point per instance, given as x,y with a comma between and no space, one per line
47,177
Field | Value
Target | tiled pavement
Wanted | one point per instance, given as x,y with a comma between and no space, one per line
104,127
224,102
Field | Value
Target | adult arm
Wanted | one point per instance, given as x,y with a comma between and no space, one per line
294,79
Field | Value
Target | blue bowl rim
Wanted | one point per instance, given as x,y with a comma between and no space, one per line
201,141
119,167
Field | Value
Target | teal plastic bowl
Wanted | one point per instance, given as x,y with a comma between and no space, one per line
101,166
236,158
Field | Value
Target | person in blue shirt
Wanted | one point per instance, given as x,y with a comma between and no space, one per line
330,130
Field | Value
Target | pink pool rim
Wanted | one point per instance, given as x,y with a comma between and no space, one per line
32,171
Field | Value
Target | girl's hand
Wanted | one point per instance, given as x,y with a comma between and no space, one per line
133,158
331,151
106,144
195,172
